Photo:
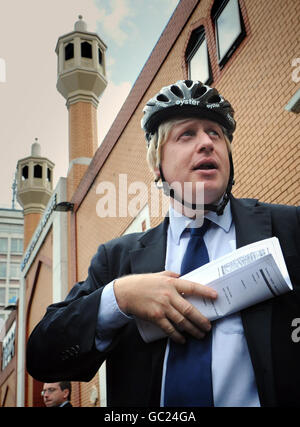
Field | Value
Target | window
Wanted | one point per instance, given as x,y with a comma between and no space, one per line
197,57
24,173
17,245
3,270
100,56
3,245
49,174
229,28
14,271
38,171
13,295
69,51
2,296
86,50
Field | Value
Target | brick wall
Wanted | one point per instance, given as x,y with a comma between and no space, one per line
30,223
83,141
83,130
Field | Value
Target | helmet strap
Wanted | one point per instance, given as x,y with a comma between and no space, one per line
219,209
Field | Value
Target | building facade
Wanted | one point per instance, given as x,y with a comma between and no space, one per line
11,251
243,47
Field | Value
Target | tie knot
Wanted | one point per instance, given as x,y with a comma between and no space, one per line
200,231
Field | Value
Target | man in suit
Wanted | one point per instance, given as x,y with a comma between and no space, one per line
57,394
254,360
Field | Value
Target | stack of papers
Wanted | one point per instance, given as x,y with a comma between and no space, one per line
242,278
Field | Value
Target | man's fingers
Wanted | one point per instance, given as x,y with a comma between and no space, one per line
181,315
195,322
171,331
183,323
194,316
175,323
169,273
187,287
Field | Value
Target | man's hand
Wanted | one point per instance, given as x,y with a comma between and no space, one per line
159,298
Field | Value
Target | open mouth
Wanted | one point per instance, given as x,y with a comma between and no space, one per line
205,165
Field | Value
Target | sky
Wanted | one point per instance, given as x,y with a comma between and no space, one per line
30,105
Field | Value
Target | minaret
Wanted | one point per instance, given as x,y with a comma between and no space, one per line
34,188
81,80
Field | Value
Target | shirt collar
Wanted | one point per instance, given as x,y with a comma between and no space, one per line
178,222
64,403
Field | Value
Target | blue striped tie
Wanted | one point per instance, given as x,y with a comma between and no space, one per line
188,379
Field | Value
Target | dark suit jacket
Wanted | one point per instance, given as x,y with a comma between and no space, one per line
67,405
62,346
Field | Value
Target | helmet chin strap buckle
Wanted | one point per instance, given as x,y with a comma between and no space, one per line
157,185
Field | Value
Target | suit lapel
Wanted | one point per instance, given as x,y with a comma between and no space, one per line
253,223
150,258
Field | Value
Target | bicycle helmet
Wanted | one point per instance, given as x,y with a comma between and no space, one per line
190,98
187,98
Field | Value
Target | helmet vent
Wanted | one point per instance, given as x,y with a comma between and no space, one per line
163,98
214,99
200,91
177,91
188,83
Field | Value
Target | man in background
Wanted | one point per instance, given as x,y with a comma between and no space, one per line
57,394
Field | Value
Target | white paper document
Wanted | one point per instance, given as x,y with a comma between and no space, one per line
242,278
